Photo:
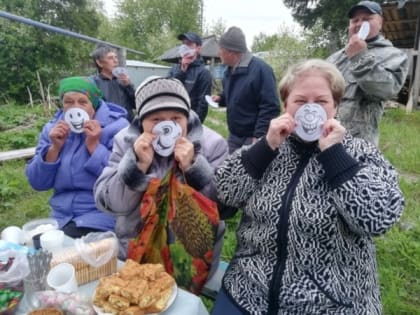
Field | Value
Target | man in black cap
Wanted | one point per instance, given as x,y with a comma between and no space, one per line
192,73
373,68
249,91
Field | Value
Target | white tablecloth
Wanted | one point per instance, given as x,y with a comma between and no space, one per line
185,303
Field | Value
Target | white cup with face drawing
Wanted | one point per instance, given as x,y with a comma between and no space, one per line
310,119
167,132
76,118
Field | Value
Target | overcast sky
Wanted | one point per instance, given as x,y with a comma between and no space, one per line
252,16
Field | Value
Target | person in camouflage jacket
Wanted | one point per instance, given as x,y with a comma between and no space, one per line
374,71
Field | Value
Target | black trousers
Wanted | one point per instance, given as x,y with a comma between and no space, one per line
70,229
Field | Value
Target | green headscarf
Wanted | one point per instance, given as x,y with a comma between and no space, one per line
83,85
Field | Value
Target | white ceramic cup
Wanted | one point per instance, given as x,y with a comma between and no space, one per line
52,240
13,234
62,278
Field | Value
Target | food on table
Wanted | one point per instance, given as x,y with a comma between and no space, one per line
46,311
9,298
136,289
68,303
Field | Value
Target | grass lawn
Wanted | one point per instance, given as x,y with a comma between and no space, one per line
398,251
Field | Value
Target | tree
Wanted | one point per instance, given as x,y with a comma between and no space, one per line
287,47
331,15
263,42
217,28
142,22
27,50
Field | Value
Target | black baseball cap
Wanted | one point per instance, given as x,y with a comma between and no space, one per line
371,6
191,36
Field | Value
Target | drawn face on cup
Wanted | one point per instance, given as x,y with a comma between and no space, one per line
76,118
167,132
310,119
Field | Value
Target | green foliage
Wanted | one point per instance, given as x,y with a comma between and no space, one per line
330,14
217,28
20,127
283,49
151,26
27,50
401,150
19,203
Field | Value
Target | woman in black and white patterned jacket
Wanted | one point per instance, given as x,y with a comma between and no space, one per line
310,208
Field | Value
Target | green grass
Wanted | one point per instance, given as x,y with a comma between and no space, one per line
398,251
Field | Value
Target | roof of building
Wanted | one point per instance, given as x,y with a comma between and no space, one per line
401,21
143,64
209,50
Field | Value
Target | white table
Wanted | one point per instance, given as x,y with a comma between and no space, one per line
185,303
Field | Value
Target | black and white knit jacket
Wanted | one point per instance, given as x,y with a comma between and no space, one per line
305,237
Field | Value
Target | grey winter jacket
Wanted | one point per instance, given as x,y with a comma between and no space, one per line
119,190
305,238
372,76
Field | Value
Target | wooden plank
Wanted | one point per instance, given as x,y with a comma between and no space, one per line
17,154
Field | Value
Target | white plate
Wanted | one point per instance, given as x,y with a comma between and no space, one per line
211,102
171,300
364,30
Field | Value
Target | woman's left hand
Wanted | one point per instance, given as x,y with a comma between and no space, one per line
333,133
93,132
184,153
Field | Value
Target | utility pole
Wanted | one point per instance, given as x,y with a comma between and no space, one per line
201,16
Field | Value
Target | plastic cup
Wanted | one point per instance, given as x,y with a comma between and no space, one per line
62,278
13,234
52,240
38,226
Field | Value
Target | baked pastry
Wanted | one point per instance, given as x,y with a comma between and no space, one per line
133,310
46,311
136,290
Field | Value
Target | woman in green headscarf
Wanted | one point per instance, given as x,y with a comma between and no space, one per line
73,149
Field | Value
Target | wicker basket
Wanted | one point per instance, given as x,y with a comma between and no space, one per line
84,271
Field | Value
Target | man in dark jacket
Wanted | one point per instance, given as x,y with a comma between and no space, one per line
249,91
192,73
116,87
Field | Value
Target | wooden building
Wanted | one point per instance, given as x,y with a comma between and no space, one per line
401,26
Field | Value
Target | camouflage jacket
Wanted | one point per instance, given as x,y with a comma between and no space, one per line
372,76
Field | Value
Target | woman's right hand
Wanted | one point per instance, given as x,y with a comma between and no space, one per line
144,151
58,134
280,128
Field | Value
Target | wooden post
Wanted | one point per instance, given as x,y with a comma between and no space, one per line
122,54
414,92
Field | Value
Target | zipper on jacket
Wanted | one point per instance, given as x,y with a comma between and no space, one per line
282,227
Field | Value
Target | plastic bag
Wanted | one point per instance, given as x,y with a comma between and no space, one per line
15,266
69,303
179,231
94,255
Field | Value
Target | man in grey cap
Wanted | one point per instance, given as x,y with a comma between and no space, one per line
249,91
192,73
373,68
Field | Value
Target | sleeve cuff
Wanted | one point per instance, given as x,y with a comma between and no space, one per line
257,158
130,174
339,166
200,173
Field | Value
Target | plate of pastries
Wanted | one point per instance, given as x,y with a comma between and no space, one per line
137,289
